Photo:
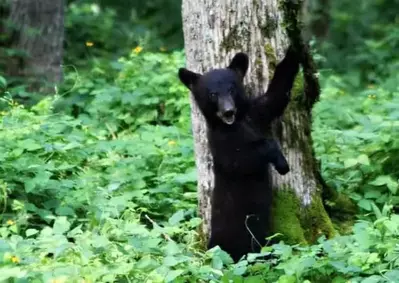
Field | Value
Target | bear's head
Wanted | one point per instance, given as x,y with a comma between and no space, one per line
220,93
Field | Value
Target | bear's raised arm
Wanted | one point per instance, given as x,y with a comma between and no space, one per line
265,108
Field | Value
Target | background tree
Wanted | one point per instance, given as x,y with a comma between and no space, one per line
212,34
38,31
316,15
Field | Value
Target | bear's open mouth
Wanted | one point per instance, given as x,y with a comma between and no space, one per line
228,117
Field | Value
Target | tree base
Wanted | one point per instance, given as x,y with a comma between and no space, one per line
300,224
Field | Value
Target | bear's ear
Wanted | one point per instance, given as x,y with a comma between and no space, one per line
240,64
188,78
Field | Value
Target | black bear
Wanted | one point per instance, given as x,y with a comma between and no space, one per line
242,195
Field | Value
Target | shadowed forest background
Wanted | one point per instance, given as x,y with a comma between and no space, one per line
97,172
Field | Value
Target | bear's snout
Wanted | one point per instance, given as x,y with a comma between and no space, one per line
227,110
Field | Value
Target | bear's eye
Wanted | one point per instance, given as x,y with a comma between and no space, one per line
212,95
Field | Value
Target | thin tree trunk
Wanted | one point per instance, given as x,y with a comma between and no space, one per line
213,32
39,32
317,17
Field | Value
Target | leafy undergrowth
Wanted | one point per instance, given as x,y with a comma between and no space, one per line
357,141
108,194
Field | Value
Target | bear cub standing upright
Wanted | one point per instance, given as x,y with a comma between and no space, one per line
236,124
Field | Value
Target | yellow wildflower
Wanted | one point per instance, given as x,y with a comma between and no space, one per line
10,222
372,96
138,49
89,43
162,49
171,143
15,259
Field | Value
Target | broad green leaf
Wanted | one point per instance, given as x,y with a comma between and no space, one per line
65,211
11,273
61,225
172,248
173,274
392,275
372,194
373,279
363,159
350,162
29,145
31,232
381,180
287,279
170,261
176,217
3,82
365,204
376,210
254,279
386,180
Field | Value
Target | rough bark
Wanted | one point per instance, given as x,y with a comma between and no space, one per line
213,32
38,28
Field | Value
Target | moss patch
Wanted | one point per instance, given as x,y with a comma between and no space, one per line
236,38
292,22
286,218
299,224
269,27
271,59
298,89
316,221
341,209
201,243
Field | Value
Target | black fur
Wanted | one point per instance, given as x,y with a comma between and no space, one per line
242,196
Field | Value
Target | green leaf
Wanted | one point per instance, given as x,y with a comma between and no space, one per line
254,279
29,145
381,180
392,226
363,159
373,279
31,232
339,279
65,211
350,162
8,273
172,248
287,279
61,225
376,210
173,274
170,261
3,82
176,217
386,180
392,275
372,194
365,204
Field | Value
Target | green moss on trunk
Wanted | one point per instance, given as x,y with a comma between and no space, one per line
299,224
271,59
316,221
236,39
286,218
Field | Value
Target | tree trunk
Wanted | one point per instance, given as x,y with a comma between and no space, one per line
213,32
38,27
